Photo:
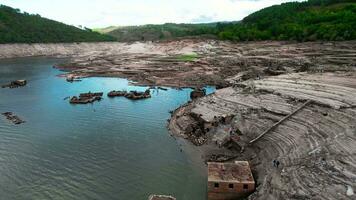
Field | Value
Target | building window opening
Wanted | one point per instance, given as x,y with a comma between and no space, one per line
245,187
216,185
231,186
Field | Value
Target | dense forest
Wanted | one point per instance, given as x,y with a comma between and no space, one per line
159,32
302,21
18,27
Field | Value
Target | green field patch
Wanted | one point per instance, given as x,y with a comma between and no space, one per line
188,57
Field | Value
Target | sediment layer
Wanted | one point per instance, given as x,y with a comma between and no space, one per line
316,146
213,62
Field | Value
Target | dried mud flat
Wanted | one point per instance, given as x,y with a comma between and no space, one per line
262,83
163,63
213,62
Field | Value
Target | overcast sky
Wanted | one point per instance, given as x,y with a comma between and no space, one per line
103,13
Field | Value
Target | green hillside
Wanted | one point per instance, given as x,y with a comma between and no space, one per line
304,21
18,27
158,32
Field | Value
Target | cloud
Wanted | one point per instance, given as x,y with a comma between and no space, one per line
101,13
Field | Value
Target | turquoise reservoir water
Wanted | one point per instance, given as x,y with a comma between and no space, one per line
113,149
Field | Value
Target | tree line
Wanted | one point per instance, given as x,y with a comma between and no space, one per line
18,27
302,21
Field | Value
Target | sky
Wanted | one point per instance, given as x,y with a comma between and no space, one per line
104,13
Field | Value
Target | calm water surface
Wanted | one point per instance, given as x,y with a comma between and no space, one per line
113,149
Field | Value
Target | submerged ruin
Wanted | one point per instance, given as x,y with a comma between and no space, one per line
15,84
133,95
116,93
85,98
13,118
197,93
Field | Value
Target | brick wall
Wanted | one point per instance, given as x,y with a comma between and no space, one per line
226,191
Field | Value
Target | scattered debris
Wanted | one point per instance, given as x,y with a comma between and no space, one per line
161,197
86,98
13,118
15,84
220,158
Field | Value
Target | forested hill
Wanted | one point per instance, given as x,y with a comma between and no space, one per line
18,27
303,21
160,32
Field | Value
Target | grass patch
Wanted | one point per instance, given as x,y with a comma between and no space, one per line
187,57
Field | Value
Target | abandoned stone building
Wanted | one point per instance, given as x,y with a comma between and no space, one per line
227,181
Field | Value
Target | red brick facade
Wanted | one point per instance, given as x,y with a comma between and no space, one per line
228,181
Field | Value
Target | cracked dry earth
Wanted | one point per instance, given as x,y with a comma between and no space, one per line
316,146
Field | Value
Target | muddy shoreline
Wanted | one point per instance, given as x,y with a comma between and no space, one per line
316,145
258,84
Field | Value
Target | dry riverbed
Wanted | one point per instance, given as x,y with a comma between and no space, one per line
262,83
